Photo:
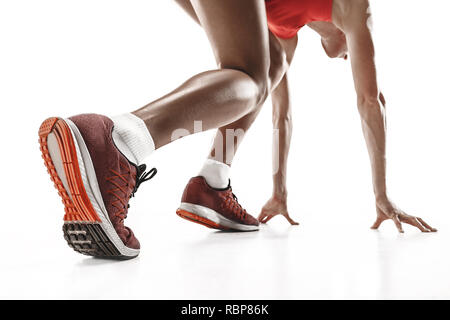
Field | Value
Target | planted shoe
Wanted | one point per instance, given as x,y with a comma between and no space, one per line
214,208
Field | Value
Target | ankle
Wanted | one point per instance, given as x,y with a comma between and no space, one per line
132,138
216,174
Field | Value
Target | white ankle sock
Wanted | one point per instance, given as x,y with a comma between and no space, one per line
217,174
132,137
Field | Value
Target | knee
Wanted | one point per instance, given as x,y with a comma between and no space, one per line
259,82
262,92
277,71
278,65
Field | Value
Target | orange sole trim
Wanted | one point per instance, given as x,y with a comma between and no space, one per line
200,220
78,207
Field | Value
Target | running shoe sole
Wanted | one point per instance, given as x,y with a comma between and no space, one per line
87,227
210,218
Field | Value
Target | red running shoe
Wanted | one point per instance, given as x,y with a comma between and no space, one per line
214,208
95,182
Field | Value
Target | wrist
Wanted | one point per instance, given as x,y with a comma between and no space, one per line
381,198
279,184
280,194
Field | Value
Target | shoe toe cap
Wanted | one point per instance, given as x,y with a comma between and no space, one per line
251,220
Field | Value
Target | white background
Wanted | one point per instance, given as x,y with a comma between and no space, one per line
59,58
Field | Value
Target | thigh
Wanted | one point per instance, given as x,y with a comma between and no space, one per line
237,31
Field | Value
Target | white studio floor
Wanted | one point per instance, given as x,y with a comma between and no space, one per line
180,260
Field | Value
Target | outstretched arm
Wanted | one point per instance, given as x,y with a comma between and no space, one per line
333,41
282,124
355,23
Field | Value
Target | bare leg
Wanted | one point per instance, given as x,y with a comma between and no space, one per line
237,31
224,149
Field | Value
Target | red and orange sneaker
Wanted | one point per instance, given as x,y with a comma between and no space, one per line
95,181
214,208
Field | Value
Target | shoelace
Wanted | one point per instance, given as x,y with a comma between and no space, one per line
233,203
143,176
122,202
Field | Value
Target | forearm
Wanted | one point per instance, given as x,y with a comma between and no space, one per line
283,130
282,124
373,122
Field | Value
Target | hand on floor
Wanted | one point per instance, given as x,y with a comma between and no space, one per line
273,207
387,210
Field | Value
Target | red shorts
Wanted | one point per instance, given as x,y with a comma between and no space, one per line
286,17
